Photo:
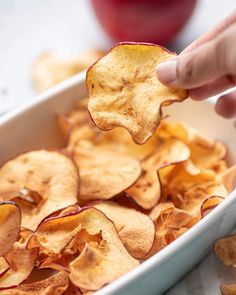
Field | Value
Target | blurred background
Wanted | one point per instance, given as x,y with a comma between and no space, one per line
48,40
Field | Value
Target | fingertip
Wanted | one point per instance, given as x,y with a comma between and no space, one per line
166,71
195,94
226,105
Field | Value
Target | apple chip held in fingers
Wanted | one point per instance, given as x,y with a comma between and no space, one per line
49,180
55,284
124,89
135,229
225,249
10,223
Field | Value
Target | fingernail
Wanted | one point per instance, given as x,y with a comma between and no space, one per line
166,71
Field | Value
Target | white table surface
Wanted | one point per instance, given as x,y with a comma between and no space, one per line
30,27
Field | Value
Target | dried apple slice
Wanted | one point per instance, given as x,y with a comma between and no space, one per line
170,223
147,190
77,126
162,206
205,153
225,250
228,289
90,233
49,69
209,204
20,261
135,229
124,89
78,117
189,191
104,173
50,174
228,178
56,284
10,223
73,290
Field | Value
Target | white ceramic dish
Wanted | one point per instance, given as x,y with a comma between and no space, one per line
34,126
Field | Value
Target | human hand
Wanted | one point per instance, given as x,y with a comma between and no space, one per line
207,67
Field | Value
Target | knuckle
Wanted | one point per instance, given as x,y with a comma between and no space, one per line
221,55
185,70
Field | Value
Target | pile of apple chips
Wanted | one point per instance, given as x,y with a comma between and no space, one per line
80,217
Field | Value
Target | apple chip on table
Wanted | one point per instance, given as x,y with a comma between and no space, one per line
79,211
49,68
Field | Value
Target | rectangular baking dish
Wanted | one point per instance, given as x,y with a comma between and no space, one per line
34,126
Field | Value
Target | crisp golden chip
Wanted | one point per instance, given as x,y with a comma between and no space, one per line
117,139
92,236
229,289
50,69
56,284
124,89
51,175
205,153
170,223
20,261
225,249
78,117
162,206
228,178
77,126
104,173
73,290
209,204
147,190
189,191
10,223
135,229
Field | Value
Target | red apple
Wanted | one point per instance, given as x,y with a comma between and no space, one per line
156,21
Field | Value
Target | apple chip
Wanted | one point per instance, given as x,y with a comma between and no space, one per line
137,234
162,206
229,289
10,223
52,177
49,69
117,139
92,236
170,224
78,117
124,90
4,266
56,284
228,178
189,191
205,153
104,173
225,250
209,204
77,126
147,190
20,261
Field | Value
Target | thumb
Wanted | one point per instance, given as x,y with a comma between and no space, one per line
203,64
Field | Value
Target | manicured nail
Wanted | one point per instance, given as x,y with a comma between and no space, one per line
166,71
